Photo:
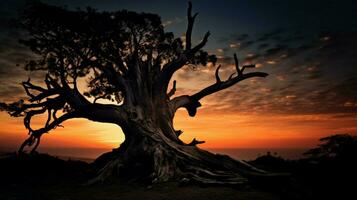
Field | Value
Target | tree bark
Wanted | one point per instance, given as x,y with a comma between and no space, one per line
149,153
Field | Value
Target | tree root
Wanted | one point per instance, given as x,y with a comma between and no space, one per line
186,165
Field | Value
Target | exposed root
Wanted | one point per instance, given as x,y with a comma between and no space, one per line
187,164
109,171
195,142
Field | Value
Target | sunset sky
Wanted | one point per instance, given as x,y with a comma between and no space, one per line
308,48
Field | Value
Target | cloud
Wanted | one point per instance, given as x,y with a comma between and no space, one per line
171,22
12,59
263,46
310,73
277,50
247,98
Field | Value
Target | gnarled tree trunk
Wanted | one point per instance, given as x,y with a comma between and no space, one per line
153,152
133,59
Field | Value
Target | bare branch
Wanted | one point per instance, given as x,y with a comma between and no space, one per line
217,74
236,62
191,103
195,142
170,68
199,45
95,112
178,132
231,76
191,21
55,123
173,89
99,97
29,85
240,71
52,89
44,103
186,102
225,84
246,66
36,134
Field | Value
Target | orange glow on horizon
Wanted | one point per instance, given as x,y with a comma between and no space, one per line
219,130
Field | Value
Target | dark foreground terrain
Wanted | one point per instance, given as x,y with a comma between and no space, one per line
327,172
42,176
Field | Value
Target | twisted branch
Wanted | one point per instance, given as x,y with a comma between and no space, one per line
170,68
173,89
35,135
191,103
45,102
191,21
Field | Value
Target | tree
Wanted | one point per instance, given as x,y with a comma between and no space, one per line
340,147
127,58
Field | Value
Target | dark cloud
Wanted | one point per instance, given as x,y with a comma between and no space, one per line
339,98
263,46
13,55
310,73
277,50
293,38
241,37
246,44
273,35
313,75
234,37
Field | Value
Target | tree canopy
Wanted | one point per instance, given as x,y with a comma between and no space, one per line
108,46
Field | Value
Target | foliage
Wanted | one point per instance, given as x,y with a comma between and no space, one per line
339,146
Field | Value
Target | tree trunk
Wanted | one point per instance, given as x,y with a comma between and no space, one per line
149,154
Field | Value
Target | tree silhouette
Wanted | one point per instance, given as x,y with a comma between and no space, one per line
128,58
335,147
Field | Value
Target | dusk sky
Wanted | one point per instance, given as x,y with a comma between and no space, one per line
308,48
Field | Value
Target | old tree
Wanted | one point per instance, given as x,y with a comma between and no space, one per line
128,58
